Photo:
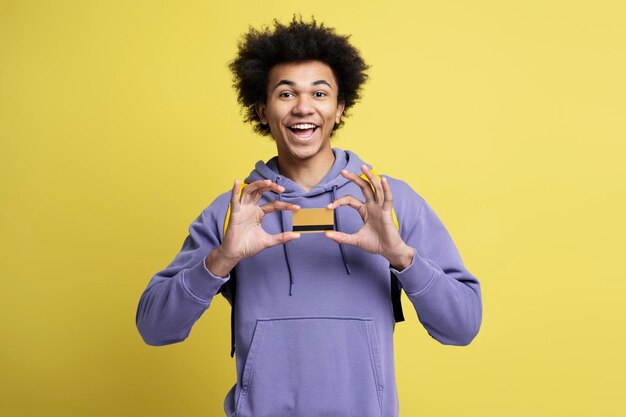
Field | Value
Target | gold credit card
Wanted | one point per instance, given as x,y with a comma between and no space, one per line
312,220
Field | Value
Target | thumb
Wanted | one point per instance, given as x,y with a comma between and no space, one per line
340,237
282,238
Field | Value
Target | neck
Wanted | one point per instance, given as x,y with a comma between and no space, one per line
307,173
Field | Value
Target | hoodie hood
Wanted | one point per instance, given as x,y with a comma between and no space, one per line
344,159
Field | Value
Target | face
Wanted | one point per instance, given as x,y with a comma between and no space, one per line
301,109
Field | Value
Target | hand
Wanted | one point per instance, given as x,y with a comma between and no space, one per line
245,237
378,234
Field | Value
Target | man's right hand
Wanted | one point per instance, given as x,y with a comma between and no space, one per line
245,237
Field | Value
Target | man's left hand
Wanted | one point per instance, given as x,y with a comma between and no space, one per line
378,234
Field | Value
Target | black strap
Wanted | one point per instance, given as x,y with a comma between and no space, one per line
396,300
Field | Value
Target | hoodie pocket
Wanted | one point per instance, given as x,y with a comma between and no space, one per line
312,366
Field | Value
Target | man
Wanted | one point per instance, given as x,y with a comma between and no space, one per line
314,317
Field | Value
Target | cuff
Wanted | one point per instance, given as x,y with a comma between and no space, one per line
417,276
201,283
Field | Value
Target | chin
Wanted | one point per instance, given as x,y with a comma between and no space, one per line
303,149
304,153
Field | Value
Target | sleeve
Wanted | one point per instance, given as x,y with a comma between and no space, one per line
445,295
177,296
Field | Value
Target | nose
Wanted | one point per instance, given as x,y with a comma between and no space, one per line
303,105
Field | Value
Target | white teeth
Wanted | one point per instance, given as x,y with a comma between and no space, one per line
303,126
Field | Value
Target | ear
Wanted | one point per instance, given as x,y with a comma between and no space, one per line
340,107
260,111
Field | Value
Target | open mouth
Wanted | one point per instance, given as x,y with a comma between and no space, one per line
303,130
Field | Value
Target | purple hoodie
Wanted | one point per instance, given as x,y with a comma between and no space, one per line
313,323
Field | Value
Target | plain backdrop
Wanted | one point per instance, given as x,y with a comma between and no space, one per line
119,125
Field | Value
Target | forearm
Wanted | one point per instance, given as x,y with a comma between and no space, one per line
448,304
170,306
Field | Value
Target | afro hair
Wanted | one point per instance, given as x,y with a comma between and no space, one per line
260,50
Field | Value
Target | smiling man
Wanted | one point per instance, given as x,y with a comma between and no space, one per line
302,109
313,314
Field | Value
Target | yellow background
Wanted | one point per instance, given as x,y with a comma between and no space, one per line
118,125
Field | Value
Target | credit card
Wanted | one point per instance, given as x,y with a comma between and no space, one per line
313,220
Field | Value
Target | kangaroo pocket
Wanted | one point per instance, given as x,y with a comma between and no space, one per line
312,366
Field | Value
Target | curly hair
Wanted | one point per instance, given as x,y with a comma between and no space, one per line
260,50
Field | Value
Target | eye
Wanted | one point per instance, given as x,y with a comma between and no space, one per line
285,94
320,94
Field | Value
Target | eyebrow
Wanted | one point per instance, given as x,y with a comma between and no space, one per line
293,84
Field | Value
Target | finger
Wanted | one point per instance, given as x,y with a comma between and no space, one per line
365,187
342,238
282,238
267,183
250,189
255,190
349,200
234,196
388,203
375,183
279,205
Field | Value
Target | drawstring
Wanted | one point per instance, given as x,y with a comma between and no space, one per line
344,257
337,227
282,225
